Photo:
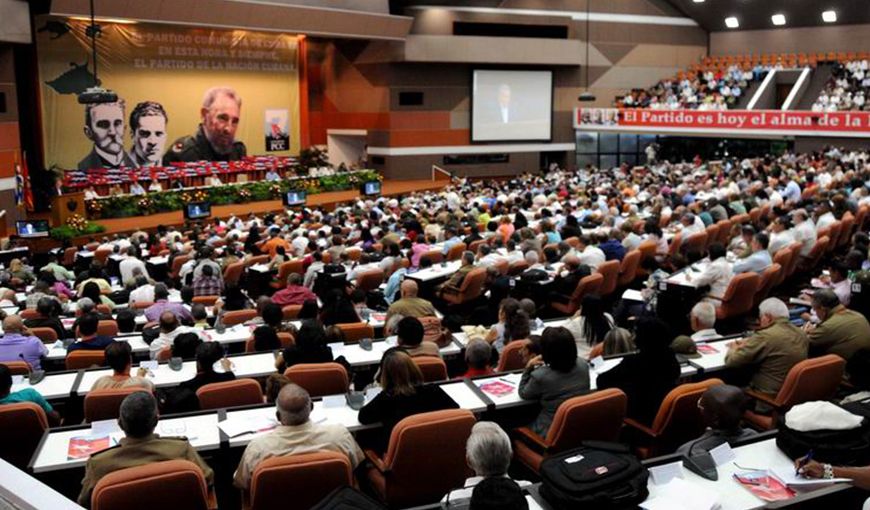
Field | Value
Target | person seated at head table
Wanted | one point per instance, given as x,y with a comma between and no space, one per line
488,453
478,358
7,396
553,376
403,393
295,434
647,376
722,409
88,338
140,446
119,357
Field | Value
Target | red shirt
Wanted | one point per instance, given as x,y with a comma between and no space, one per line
293,295
474,372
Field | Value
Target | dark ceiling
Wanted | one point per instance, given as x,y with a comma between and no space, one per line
755,14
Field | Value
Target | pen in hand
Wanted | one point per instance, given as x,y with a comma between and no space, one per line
803,462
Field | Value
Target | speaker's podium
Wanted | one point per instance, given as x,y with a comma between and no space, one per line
64,206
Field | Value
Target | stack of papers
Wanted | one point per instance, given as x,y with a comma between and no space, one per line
679,494
237,426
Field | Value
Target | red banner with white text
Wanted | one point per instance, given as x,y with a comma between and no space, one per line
725,122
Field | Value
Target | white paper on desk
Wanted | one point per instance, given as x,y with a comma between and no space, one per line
372,392
17,379
788,477
681,495
233,427
104,427
665,473
333,401
597,362
150,365
632,295
58,344
722,454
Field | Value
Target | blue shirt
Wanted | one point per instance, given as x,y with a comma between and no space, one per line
98,343
27,395
450,243
393,284
15,347
792,192
554,237
757,262
613,249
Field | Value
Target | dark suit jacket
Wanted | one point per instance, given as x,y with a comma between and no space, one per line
389,409
93,160
49,322
645,378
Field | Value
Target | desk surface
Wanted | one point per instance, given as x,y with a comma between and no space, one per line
435,272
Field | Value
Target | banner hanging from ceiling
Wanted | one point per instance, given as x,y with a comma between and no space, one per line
161,75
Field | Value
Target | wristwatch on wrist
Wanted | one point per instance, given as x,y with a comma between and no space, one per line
828,471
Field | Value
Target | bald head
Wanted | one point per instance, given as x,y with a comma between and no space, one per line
13,324
409,288
294,405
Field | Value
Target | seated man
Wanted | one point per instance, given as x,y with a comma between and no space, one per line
25,395
294,293
295,434
840,331
772,350
410,338
759,260
48,318
18,344
717,274
722,409
138,418
569,276
119,357
488,453
208,283
162,304
410,305
88,337
702,319
455,282
170,328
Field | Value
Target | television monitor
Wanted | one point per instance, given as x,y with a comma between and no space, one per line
32,228
295,198
510,106
371,188
197,210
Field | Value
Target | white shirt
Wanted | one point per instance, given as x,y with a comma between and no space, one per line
126,267
717,275
143,294
704,335
168,339
825,220
780,240
593,257
805,233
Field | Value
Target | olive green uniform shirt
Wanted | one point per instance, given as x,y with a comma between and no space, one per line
843,333
772,352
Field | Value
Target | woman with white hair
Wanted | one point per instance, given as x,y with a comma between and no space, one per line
488,453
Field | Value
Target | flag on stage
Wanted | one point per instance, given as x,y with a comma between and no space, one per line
23,193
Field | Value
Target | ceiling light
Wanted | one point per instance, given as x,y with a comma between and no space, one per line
829,16
778,19
731,22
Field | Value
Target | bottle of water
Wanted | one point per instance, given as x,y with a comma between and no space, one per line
219,326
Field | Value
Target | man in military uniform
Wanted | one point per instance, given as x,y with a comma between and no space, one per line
138,417
215,140
104,125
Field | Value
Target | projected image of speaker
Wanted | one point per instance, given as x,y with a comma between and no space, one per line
32,228
295,198
510,106
371,189
197,210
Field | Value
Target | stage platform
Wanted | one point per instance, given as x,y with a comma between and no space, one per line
327,200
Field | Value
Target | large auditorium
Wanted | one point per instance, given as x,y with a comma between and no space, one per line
434,254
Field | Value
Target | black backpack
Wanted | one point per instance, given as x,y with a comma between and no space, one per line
839,447
599,475
348,498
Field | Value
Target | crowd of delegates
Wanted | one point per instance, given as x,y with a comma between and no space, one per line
580,219
708,89
846,90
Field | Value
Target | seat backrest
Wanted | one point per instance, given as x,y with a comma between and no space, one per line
594,417
795,249
167,484
502,265
426,457
238,392
432,368
369,280
712,234
836,228
177,262
513,356
21,426
434,256
518,267
356,331
319,473
647,249
107,328
846,225
472,284
455,252
811,379
695,243
234,317
679,419
106,404
84,358
628,268
17,367
291,311
47,335
723,234
319,379
768,279
738,296
206,300
587,285
29,313
69,256
675,245
610,271
817,252
233,273
257,259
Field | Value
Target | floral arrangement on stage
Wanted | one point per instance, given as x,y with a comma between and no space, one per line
126,206
76,225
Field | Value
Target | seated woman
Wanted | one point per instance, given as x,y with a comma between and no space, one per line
309,347
478,358
119,357
722,409
49,317
338,309
645,377
265,339
183,398
554,376
92,290
617,341
402,394
498,336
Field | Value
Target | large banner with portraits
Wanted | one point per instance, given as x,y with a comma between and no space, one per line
184,94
